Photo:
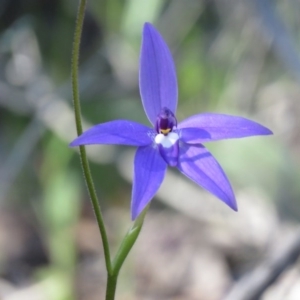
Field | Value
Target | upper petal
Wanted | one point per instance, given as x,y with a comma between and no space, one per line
149,172
199,165
158,83
120,132
210,127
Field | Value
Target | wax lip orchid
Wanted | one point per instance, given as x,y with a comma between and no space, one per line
168,142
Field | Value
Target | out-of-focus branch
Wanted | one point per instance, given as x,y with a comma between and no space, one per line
281,38
254,284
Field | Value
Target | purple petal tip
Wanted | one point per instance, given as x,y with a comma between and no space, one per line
262,130
268,131
234,206
75,143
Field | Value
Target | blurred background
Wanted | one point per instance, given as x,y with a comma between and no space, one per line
235,56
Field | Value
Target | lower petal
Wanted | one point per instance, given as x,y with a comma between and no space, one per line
149,172
199,165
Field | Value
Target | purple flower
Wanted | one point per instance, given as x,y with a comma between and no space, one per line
168,143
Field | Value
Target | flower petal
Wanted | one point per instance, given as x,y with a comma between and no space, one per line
199,165
120,132
193,135
211,127
149,172
158,83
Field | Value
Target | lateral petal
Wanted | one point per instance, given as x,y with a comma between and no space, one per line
199,165
121,132
149,172
158,83
211,127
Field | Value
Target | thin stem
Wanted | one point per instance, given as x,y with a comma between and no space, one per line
111,286
83,156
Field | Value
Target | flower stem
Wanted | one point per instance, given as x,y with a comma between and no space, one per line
111,287
114,267
83,156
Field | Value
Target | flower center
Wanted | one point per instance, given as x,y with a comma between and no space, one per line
165,122
168,140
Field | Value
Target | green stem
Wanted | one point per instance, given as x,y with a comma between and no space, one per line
130,238
83,156
111,287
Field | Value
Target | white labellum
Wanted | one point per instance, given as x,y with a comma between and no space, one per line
168,140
